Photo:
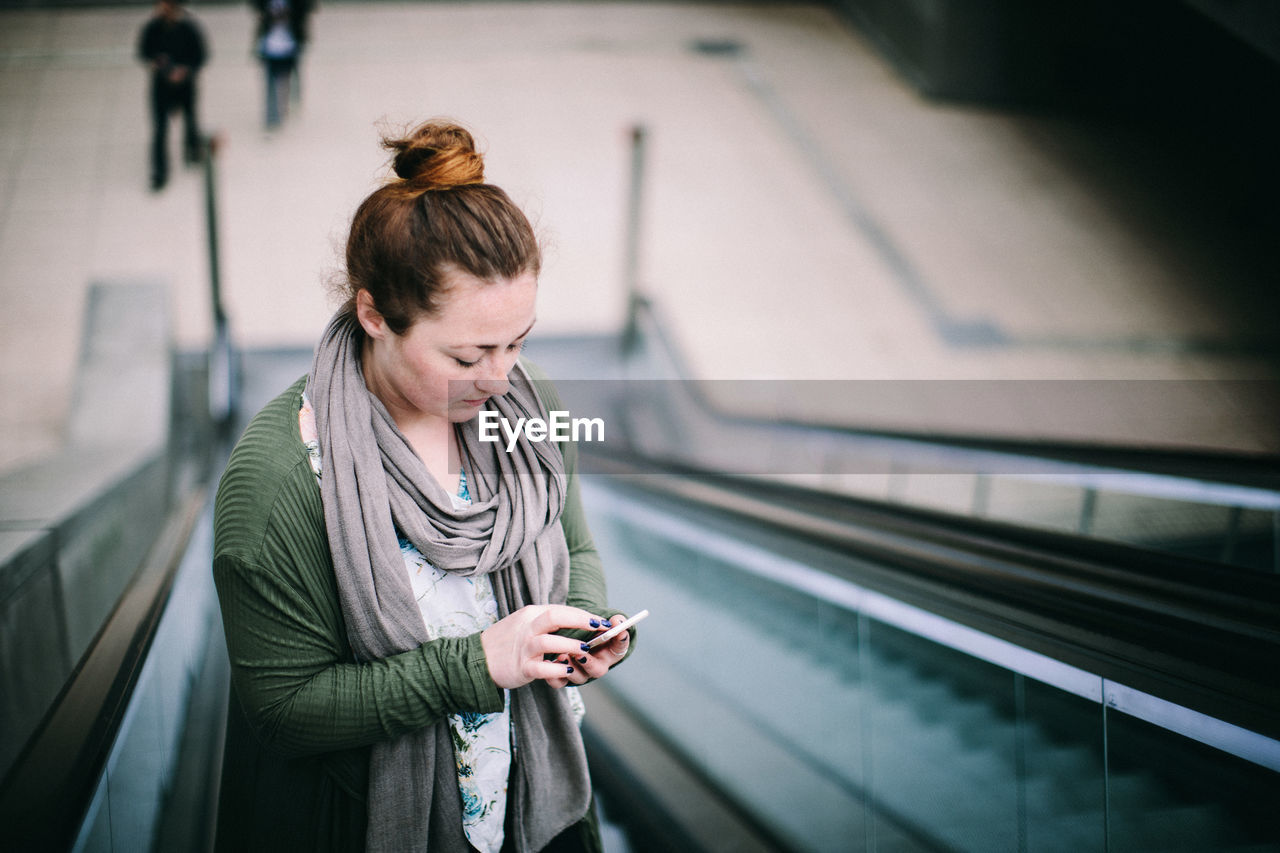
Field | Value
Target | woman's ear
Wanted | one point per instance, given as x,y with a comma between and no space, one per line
371,320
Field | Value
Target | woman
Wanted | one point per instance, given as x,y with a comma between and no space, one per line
404,604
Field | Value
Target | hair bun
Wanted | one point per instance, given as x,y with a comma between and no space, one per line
436,155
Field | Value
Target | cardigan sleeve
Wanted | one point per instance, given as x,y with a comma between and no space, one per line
299,694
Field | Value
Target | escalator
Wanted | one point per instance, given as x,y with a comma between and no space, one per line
839,717
823,669
873,641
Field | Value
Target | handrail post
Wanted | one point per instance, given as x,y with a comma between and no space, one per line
211,145
221,379
631,277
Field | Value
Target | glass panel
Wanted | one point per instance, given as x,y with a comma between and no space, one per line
954,493
1253,544
1179,527
943,742
1036,504
138,769
1063,786
95,832
757,684
1168,792
839,731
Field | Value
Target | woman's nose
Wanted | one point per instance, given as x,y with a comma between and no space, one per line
495,381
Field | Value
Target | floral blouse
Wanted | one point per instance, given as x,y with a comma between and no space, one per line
456,606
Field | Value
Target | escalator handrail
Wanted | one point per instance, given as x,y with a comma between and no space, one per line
1168,626
1215,476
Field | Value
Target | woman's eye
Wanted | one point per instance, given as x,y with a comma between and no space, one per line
519,346
465,363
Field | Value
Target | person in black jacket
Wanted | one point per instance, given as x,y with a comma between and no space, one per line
173,46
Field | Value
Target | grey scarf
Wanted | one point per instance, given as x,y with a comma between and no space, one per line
373,484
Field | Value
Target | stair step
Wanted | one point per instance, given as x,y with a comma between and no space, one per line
1168,828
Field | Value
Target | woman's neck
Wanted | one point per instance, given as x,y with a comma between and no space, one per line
431,436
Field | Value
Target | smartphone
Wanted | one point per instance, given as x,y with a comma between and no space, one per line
616,630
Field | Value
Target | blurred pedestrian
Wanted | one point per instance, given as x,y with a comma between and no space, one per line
174,48
278,49
280,38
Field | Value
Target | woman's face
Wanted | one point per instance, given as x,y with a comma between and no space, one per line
449,363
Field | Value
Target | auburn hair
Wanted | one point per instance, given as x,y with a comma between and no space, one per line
436,217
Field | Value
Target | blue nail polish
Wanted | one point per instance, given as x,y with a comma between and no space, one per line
606,623
582,660
585,647
594,623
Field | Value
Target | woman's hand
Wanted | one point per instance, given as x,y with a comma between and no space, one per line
516,646
595,663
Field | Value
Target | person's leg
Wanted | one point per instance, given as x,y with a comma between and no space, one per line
288,83
271,70
295,80
279,72
159,136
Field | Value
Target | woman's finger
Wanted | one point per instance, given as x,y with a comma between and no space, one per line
547,670
553,644
574,673
616,648
593,665
557,617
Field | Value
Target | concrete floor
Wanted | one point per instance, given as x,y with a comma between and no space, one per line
806,214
